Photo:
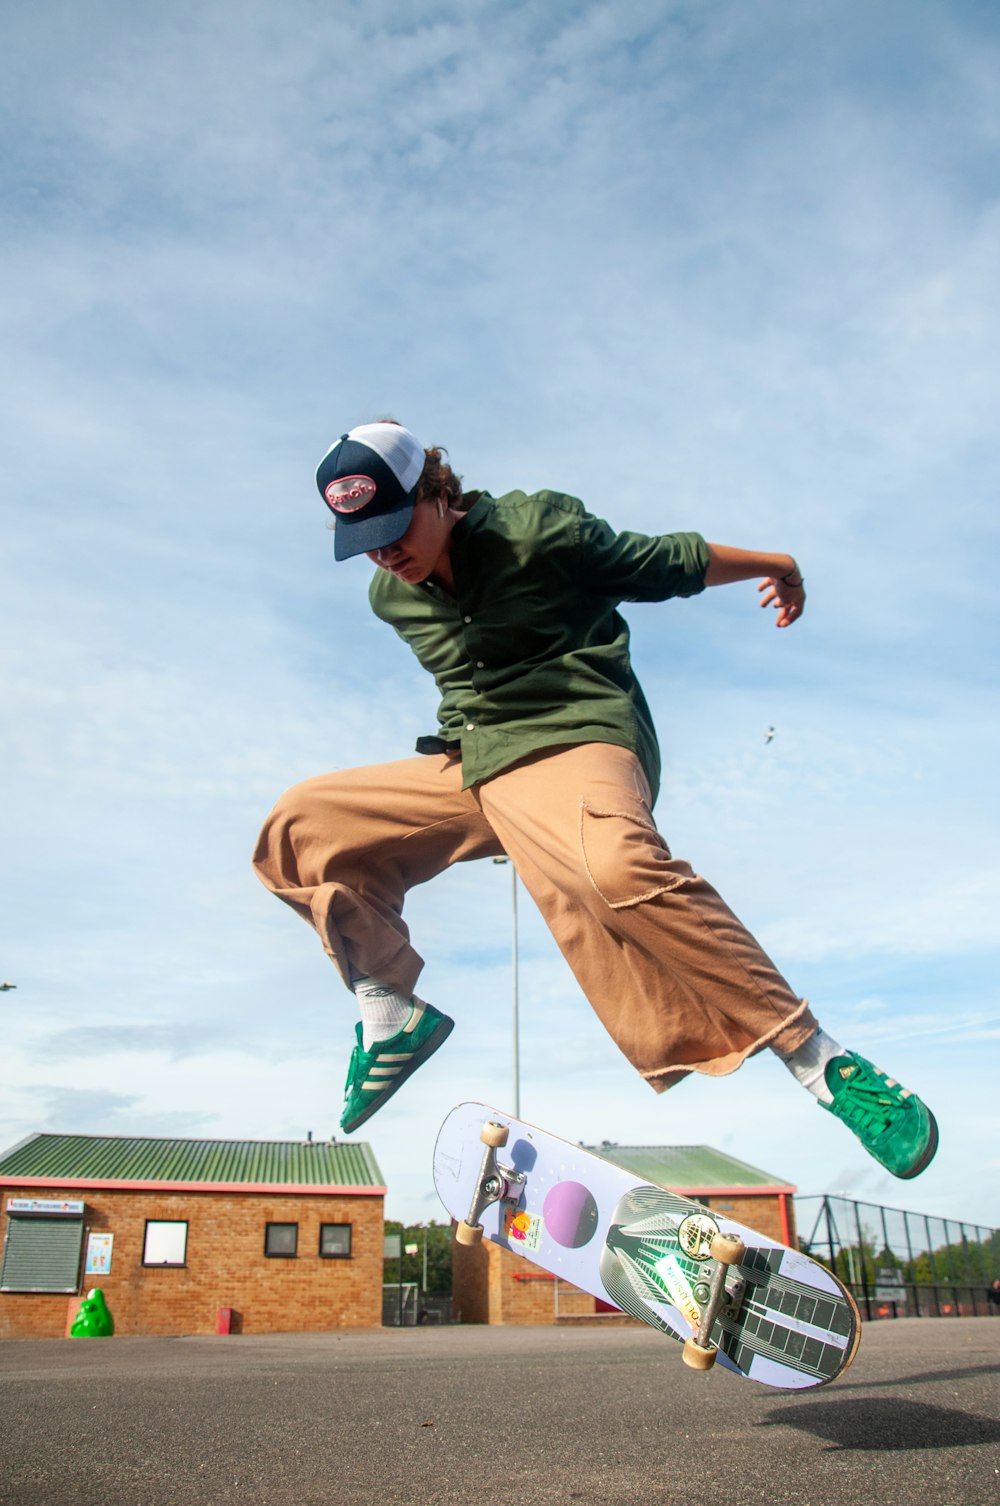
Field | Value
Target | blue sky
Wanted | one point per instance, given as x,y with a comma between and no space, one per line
711,266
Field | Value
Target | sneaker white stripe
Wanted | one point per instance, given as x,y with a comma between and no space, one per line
394,1056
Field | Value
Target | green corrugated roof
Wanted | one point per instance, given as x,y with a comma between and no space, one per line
686,1166
141,1159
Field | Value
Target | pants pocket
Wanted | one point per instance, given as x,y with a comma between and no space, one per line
626,859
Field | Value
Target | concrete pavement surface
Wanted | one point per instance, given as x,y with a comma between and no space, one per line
511,1416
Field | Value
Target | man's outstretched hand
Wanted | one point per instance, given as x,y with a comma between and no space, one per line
788,601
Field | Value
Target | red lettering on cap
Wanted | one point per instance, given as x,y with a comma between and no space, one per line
350,493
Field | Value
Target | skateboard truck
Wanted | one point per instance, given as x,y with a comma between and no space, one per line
726,1250
494,1183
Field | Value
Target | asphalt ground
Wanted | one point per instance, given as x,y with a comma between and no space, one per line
511,1416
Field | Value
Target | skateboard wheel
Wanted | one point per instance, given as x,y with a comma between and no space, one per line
469,1234
727,1249
494,1134
697,1358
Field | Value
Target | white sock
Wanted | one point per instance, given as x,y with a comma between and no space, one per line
384,1010
808,1064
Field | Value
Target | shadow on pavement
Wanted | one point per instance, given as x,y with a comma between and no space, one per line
929,1377
882,1425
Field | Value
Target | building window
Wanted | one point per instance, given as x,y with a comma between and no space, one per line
165,1242
335,1241
281,1241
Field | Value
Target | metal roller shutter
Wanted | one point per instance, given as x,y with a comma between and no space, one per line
42,1255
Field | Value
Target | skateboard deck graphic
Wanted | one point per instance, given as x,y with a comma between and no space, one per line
771,1313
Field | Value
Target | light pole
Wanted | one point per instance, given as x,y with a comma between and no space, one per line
515,986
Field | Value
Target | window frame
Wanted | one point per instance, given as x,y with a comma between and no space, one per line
164,1265
281,1223
347,1254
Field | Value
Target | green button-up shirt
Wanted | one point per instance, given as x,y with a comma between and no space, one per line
531,651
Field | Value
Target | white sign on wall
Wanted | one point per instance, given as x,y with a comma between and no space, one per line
99,1248
44,1205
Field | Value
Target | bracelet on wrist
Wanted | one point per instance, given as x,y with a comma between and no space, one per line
794,584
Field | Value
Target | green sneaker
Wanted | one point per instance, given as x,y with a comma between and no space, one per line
373,1076
892,1123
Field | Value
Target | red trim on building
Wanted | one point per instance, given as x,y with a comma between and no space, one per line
732,1191
118,1185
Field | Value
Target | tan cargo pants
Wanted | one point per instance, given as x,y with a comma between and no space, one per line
677,981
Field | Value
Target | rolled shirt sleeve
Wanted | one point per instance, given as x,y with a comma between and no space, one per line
641,567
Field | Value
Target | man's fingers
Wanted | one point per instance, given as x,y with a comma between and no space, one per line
788,611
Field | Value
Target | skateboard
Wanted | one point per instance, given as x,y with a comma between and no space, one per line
729,1295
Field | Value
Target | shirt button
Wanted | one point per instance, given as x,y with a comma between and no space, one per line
480,664
466,619
470,726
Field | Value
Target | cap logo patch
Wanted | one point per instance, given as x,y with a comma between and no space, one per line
350,494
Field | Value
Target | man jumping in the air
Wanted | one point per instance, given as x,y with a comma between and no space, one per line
545,752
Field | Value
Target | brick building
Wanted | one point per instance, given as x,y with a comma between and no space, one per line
190,1236
492,1285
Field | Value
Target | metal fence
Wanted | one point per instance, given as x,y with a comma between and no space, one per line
399,1303
900,1264
406,1306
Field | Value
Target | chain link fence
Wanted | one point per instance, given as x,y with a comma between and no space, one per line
900,1264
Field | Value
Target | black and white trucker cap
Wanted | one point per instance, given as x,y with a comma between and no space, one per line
368,480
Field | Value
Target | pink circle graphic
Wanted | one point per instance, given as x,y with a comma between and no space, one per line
570,1215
